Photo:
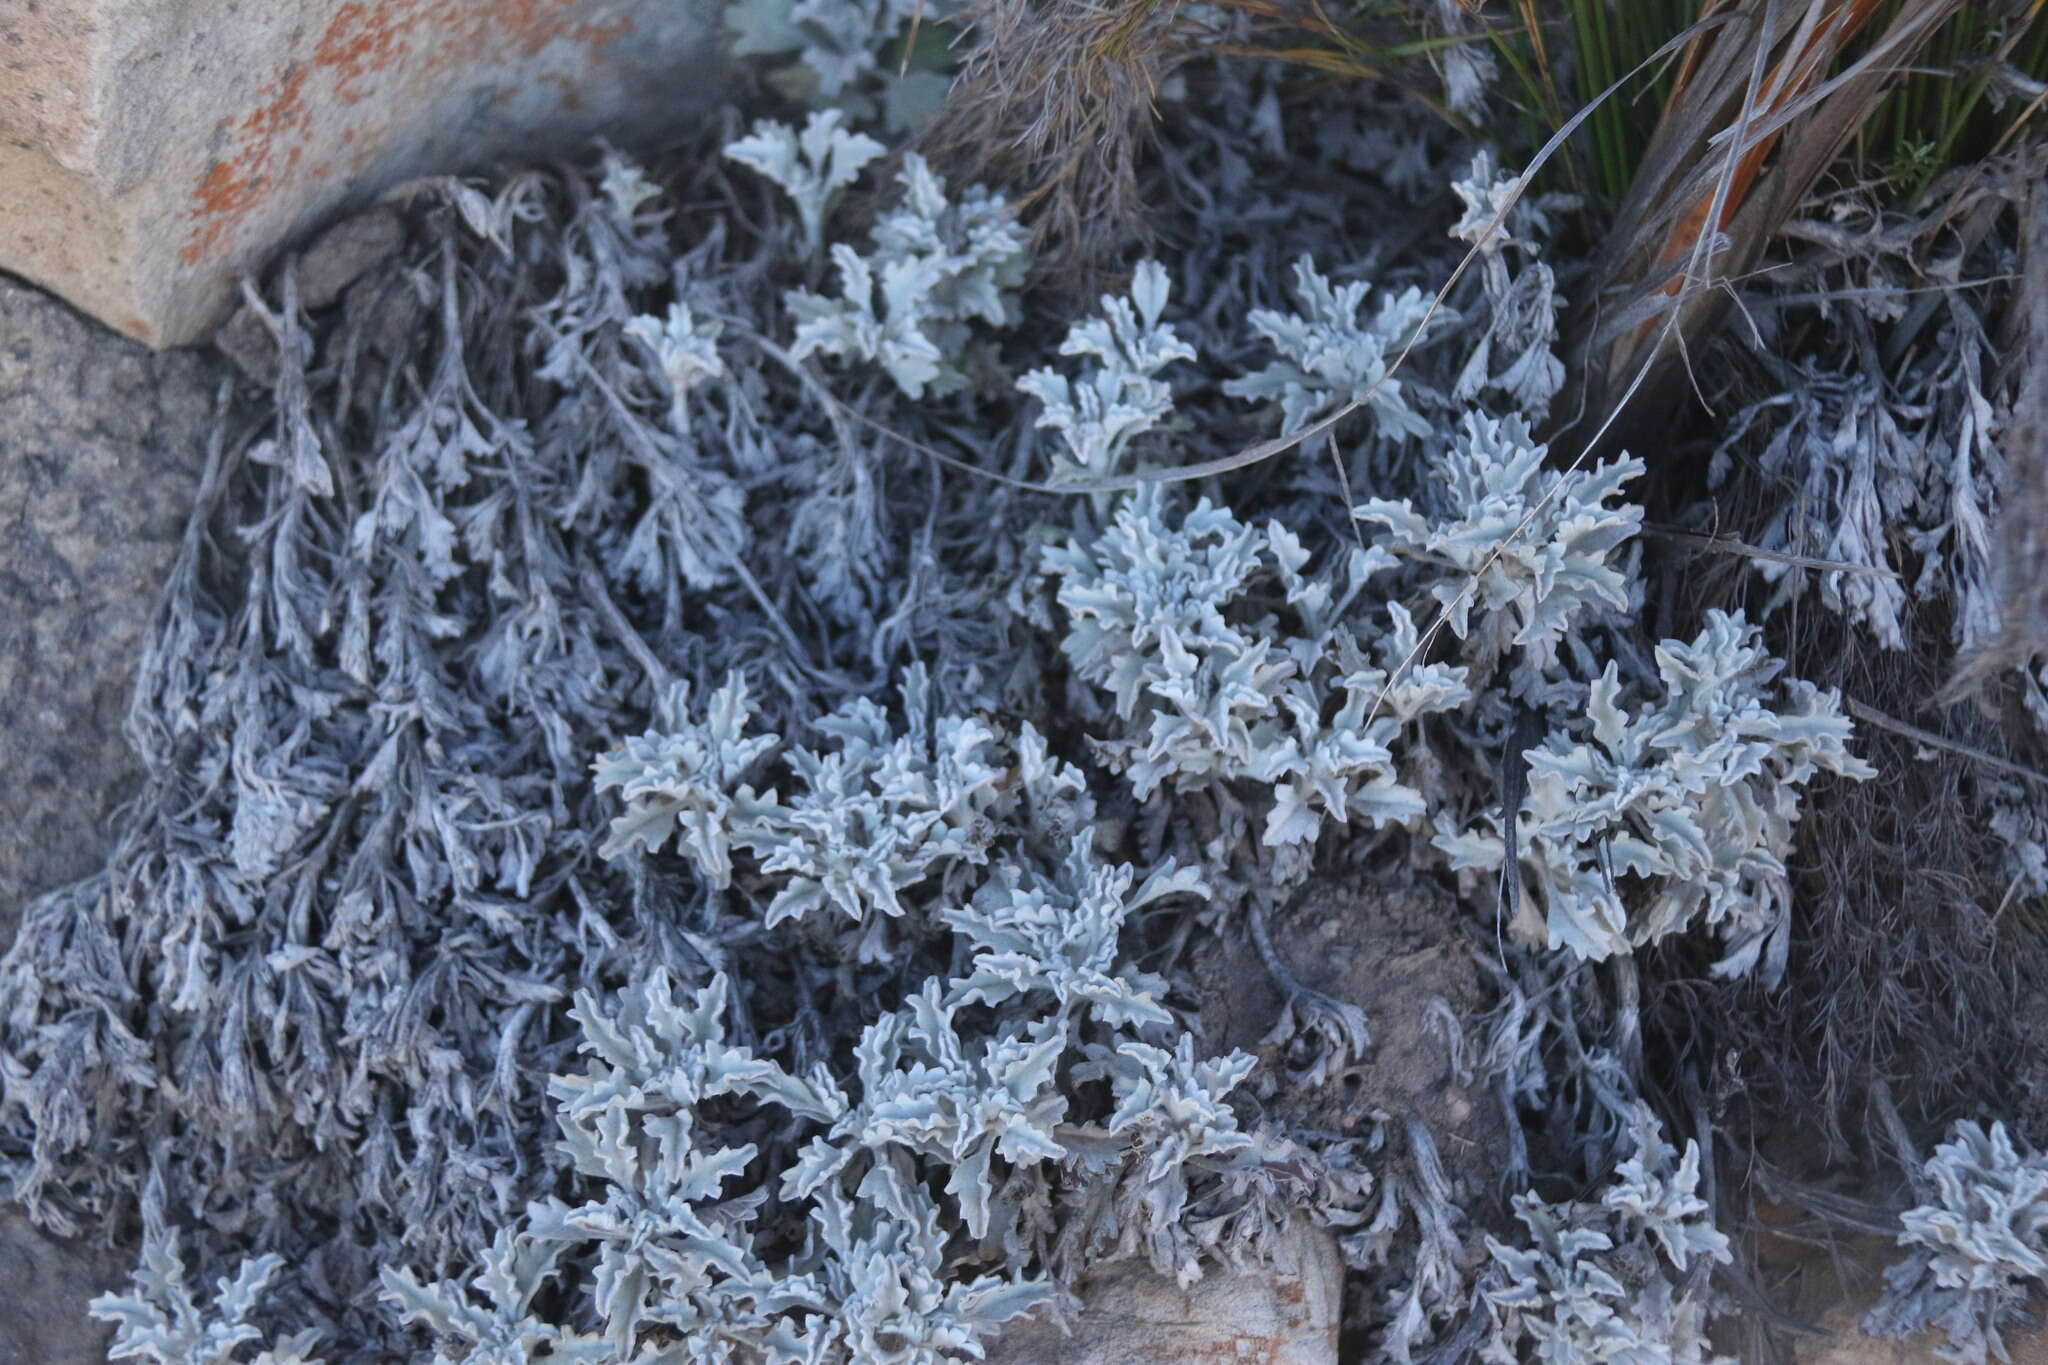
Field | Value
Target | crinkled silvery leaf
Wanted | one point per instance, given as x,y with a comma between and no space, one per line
880,1261
1692,799
1216,688
654,1054
936,265
1606,1281
1329,358
813,167
840,42
840,37
1468,66
1342,768
881,320
1142,583
1174,1111
758,28
626,185
674,1250
678,781
926,1091
1529,548
1491,198
1061,935
1658,1190
2023,825
849,828
1524,305
1121,397
686,347
672,1243
882,813
1860,470
1977,1247
502,1328
976,243
160,1321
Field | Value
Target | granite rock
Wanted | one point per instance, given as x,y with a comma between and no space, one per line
101,447
154,151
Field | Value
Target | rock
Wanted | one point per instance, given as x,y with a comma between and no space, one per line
336,259
1284,1314
47,1286
155,150
101,447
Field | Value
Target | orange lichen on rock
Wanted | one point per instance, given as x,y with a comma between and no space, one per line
369,53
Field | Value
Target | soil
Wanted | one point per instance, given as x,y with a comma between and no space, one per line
1404,955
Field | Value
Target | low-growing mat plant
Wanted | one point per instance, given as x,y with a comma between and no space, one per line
697,751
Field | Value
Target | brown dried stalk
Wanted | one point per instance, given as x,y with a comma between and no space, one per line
1052,103
1753,120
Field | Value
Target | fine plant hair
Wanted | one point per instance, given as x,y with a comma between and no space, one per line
665,828
484,527
1881,447
1608,1279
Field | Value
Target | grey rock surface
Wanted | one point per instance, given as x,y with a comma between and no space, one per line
155,150
44,1287
101,446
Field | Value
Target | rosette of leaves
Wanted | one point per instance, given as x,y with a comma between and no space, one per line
1121,396
1228,663
1641,825
860,824
1522,552
926,1092
160,1320
677,1271
1172,1109
1976,1248
1329,358
814,167
882,1261
883,812
935,267
673,1253
1523,304
953,1122
681,780
1062,936
847,51
686,347
1608,1281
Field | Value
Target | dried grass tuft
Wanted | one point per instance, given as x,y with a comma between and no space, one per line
1757,114
1053,102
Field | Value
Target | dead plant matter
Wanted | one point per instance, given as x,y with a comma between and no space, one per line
1054,101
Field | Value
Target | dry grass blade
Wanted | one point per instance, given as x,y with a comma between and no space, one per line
1872,716
1753,121
1734,546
